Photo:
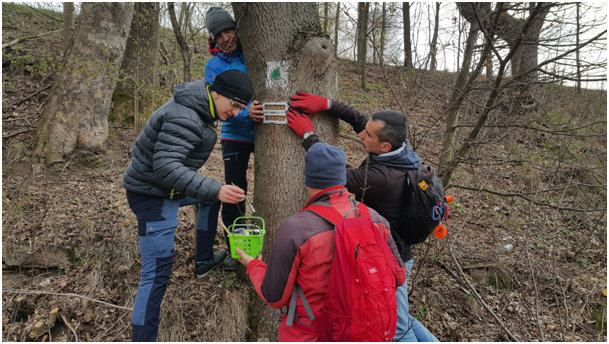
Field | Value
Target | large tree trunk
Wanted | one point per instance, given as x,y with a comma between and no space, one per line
76,113
285,51
138,79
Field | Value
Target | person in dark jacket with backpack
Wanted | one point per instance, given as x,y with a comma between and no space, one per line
378,181
303,250
162,176
237,134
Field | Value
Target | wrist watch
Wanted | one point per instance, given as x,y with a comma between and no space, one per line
307,134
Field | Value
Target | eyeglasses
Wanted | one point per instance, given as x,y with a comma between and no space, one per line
236,105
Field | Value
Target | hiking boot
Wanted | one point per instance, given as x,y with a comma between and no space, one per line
202,268
230,264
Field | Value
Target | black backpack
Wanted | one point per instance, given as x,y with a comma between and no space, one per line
424,205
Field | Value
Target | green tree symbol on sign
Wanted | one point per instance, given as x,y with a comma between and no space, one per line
275,74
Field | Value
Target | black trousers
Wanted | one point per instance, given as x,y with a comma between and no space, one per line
236,158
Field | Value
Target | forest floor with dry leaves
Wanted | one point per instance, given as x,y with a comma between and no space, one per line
522,261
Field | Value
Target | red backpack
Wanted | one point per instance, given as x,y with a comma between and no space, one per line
360,303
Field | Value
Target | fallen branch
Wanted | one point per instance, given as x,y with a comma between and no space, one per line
20,101
10,44
67,323
479,298
527,199
17,133
37,292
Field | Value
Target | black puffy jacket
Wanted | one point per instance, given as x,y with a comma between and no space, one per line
175,142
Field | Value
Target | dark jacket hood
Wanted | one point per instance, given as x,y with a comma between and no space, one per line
194,95
403,157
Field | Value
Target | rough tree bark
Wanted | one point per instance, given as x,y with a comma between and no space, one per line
285,51
76,113
68,24
138,78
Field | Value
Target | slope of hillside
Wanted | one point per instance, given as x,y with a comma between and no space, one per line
522,260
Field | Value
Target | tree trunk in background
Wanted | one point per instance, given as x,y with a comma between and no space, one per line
577,60
285,52
489,63
336,26
383,33
525,58
326,8
68,24
362,40
434,40
76,112
407,42
452,115
181,41
138,72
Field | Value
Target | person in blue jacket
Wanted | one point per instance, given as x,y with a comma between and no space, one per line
237,134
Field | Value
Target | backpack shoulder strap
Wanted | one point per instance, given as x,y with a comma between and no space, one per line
292,309
340,208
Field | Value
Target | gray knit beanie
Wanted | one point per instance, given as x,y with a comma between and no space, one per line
325,166
218,19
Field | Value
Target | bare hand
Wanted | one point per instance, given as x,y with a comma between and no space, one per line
231,194
245,259
255,111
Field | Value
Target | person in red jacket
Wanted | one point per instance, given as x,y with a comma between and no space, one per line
303,249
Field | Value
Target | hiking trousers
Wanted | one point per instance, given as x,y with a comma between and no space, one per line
408,328
236,156
157,220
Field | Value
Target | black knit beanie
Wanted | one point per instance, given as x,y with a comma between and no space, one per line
234,85
218,19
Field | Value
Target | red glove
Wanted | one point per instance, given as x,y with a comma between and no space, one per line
298,122
309,103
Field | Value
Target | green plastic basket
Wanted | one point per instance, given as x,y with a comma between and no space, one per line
249,238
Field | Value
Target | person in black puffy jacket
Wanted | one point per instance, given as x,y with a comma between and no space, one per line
162,176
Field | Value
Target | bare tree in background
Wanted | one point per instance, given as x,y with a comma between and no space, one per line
433,48
383,33
363,8
407,42
76,112
500,84
336,26
183,46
